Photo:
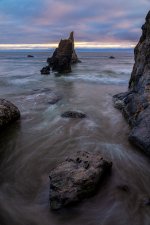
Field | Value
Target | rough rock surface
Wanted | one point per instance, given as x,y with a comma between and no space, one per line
63,56
135,104
73,114
8,113
76,178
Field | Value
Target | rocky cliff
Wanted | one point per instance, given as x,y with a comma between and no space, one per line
62,57
135,104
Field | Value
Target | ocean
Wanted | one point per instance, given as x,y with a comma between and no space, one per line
30,148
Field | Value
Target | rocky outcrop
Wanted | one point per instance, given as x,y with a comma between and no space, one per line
135,104
76,178
63,56
73,114
8,113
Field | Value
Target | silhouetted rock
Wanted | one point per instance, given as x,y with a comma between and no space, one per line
45,70
8,113
78,177
61,59
111,57
73,114
63,56
30,56
135,104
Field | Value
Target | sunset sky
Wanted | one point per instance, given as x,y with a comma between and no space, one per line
97,23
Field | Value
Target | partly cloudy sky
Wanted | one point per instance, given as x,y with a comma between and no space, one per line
95,22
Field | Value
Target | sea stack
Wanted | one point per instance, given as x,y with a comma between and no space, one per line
63,56
135,103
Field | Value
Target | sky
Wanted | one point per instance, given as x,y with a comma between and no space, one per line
96,23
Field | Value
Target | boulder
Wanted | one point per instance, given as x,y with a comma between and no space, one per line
8,113
78,177
73,114
45,70
135,104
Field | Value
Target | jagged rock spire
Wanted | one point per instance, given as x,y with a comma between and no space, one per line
148,17
64,56
71,37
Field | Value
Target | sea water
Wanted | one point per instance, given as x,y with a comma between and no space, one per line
31,147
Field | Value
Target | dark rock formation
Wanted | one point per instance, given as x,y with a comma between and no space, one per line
30,56
45,70
135,104
111,57
73,114
8,113
76,178
63,56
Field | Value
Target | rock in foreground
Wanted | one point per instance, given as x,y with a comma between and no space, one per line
8,113
135,104
78,177
73,114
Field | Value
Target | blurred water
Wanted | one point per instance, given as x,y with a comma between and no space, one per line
31,148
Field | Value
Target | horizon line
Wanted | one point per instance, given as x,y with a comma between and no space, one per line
84,45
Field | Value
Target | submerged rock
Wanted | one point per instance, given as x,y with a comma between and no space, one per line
63,56
73,114
30,56
45,70
8,113
111,57
135,104
78,177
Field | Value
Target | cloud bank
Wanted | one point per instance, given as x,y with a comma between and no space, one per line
94,21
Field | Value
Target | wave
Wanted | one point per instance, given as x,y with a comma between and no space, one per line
102,79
